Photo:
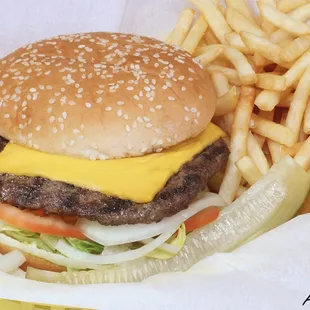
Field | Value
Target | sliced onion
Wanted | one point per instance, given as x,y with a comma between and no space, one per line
264,206
69,251
115,235
170,248
52,257
11,261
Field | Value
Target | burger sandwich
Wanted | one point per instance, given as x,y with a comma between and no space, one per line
107,147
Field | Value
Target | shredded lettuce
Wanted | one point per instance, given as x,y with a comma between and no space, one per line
26,237
85,245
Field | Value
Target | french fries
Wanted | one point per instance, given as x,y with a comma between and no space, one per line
210,54
195,34
307,119
295,49
256,154
289,5
283,21
271,81
298,105
214,17
220,83
271,52
246,73
303,156
240,23
272,130
248,170
238,139
242,8
231,74
182,27
267,100
227,103
234,40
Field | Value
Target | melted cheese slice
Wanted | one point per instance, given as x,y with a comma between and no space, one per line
138,179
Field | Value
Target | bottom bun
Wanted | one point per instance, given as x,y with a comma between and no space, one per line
33,261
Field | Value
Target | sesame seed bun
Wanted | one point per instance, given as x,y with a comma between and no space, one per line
103,95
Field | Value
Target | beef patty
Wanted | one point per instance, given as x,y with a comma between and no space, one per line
56,197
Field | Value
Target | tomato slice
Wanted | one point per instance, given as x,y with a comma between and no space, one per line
48,224
202,218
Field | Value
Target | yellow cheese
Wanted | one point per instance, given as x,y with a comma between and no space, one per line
138,179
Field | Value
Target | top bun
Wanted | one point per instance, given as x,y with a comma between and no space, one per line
103,95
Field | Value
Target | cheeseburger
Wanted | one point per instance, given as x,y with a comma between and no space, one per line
106,147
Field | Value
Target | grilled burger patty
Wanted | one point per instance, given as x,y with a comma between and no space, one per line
61,198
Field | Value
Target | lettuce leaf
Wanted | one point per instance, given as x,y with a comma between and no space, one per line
86,245
26,237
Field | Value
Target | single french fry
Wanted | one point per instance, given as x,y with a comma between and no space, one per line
298,105
214,18
302,135
307,119
296,48
195,34
210,37
200,49
242,7
271,130
227,103
256,154
303,156
246,73
297,69
289,5
267,26
231,74
235,41
275,150
248,170
210,54
239,136
182,27
239,23
220,83
267,100
282,20
271,81
268,115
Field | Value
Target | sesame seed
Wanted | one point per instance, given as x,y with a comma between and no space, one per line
186,118
148,125
139,119
52,119
119,113
64,115
152,110
128,129
140,106
120,102
196,121
38,128
61,126
200,97
136,97
55,130
88,105
181,77
108,108
6,115
193,110
183,88
32,90
51,101
159,150
99,99
130,88
171,98
126,116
